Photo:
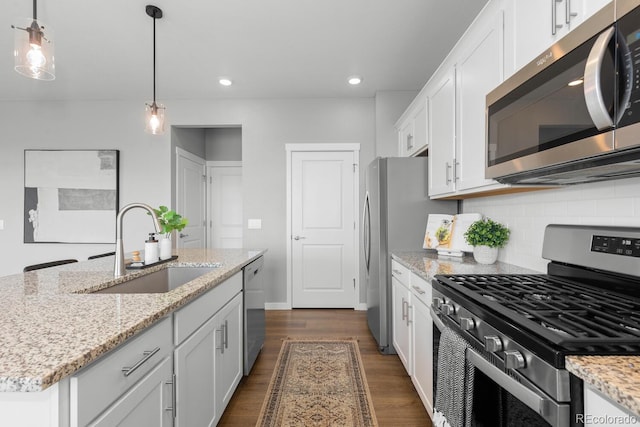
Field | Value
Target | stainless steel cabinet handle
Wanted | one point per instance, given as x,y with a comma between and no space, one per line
128,370
182,236
173,408
446,172
568,13
419,290
298,238
398,272
221,346
455,170
554,17
226,334
409,319
404,313
409,142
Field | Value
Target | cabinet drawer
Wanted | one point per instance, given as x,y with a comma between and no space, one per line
95,387
421,289
190,317
400,272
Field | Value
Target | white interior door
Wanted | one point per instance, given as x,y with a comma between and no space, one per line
323,229
191,199
225,206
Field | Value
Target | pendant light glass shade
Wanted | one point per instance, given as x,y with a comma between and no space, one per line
154,118
34,50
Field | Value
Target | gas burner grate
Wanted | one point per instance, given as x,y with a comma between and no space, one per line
565,312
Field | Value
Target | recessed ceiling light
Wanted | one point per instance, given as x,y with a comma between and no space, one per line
225,81
355,80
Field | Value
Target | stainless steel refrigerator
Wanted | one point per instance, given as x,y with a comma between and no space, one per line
395,215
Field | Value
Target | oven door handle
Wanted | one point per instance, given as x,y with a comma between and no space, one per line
436,320
530,398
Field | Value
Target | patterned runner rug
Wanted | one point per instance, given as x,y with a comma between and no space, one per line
318,382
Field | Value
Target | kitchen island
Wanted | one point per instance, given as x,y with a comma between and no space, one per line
52,325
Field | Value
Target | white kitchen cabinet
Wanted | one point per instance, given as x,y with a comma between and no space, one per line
457,115
442,96
413,128
208,364
401,322
600,410
147,404
229,361
533,26
413,329
422,341
116,376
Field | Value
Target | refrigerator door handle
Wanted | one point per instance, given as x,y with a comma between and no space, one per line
366,221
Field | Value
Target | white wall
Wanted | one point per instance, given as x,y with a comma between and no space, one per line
224,144
527,214
145,161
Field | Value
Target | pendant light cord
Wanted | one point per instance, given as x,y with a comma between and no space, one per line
35,10
154,58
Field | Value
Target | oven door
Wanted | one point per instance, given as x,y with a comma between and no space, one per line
500,400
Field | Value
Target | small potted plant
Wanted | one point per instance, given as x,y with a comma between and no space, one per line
169,221
486,237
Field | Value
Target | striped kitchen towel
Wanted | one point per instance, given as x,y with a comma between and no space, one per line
454,390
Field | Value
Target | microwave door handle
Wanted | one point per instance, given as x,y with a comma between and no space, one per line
625,73
592,90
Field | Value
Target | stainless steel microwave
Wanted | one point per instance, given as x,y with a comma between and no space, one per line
573,114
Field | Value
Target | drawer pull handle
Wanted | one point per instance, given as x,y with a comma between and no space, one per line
174,407
147,355
221,347
397,272
226,334
419,290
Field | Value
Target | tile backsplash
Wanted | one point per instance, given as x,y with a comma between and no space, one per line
527,214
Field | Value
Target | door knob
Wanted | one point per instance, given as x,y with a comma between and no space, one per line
298,237
183,235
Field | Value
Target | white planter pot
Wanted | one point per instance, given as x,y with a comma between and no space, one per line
165,248
485,254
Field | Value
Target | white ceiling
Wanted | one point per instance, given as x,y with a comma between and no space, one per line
269,48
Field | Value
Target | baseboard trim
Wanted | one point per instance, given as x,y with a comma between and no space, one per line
277,306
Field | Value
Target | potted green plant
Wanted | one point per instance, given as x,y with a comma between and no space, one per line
486,236
170,221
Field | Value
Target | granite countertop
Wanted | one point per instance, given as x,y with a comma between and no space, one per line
427,264
617,377
52,326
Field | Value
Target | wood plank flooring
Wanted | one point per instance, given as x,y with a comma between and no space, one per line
395,400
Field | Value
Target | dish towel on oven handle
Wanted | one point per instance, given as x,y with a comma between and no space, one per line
454,391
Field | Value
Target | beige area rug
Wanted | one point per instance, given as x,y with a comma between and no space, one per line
318,382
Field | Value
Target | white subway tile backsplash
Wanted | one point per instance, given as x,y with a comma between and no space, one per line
527,214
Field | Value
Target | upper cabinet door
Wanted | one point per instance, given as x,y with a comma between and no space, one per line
442,114
533,26
478,71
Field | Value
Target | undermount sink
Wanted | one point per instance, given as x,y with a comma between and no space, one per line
158,282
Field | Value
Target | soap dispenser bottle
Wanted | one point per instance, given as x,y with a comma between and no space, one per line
151,254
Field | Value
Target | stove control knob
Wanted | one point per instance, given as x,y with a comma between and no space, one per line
447,309
436,302
467,323
513,359
492,343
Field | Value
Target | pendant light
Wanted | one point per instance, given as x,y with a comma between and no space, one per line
33,49
154,111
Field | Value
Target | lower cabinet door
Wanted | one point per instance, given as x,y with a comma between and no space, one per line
146,404
194,361
229,361
401,322
423,354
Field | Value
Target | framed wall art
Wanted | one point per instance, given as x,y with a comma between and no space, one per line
70,196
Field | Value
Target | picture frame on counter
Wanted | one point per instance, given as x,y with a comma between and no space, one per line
70,196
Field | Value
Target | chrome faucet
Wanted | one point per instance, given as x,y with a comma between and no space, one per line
119,267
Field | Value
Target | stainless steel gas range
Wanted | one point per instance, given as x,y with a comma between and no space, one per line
521,327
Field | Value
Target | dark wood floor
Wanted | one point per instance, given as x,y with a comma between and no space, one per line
395,400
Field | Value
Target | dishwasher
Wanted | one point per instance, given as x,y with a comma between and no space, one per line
254,317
